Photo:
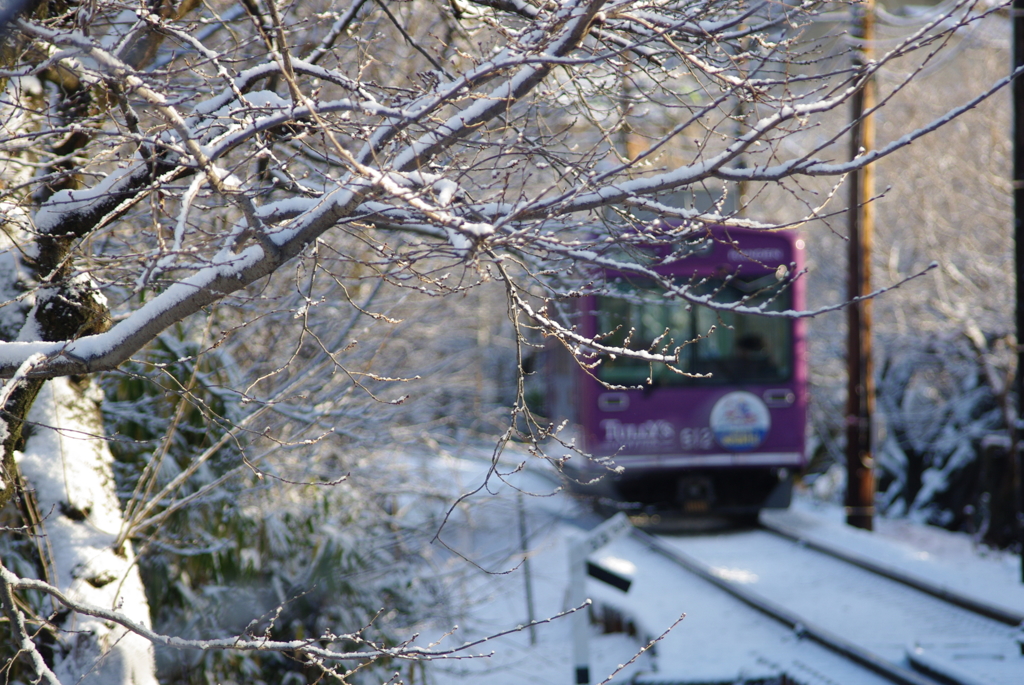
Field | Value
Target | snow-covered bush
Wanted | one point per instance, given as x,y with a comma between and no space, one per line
940,404
323,524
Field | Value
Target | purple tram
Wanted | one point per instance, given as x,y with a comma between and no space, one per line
728,443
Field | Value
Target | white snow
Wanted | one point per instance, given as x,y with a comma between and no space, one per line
288,207
718,641
66,202
950,559
445,190
98,345
70,474
460,242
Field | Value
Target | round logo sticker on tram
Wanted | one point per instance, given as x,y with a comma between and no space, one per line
740,421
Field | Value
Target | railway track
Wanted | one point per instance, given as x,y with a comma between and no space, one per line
904,629
1001,614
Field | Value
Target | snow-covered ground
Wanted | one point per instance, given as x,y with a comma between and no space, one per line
719,641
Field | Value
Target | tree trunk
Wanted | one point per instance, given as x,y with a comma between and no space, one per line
52,432
69,472
53,435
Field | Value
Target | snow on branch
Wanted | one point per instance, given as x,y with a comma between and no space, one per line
420,160
242,643
16,619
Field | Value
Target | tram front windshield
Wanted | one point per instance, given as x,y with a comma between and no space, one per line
718,346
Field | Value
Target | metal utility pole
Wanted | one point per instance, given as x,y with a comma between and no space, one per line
860,399
1016,458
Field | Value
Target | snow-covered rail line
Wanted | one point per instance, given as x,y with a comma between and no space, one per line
997,613
803,627
904,634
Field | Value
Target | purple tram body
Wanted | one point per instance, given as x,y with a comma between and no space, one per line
727,442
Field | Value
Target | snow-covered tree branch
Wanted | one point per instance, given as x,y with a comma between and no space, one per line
368,652
432,155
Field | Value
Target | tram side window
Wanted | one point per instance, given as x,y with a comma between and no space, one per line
638,323
742,348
